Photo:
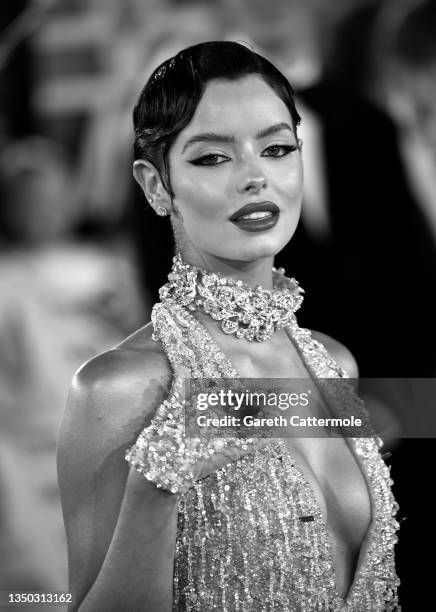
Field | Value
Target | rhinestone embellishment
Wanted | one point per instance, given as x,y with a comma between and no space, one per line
251,536
250,313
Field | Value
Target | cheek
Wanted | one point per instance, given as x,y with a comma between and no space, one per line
290,181
203,199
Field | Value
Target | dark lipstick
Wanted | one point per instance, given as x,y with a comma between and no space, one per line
256,223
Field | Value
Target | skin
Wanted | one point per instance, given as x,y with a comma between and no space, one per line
120,528
212,179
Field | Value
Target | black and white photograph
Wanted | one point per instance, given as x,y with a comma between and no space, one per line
217,305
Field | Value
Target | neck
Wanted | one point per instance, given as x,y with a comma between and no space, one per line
253,313
256,272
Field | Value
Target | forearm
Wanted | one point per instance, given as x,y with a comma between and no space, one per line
137,573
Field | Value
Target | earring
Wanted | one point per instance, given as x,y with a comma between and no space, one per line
161,211
299,143
149,199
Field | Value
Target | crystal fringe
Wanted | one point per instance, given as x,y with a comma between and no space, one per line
241,544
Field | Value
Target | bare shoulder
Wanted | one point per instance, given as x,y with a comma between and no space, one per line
113,396
339,352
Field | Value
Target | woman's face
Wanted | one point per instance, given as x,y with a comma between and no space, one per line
238,152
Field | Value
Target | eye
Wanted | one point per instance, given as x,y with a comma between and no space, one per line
211,159
278,150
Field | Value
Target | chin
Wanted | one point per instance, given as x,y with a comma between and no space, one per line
257,247
270,244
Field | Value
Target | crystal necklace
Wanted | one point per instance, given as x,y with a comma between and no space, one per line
247,312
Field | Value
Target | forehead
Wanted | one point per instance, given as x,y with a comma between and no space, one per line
247,104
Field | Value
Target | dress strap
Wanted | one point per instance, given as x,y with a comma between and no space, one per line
188,345
327,374
162,453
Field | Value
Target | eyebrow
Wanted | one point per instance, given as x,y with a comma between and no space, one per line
273,129
213,137
208,137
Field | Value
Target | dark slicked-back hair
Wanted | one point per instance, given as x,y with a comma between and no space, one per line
171,96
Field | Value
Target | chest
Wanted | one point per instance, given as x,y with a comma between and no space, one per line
285,524
261,518
327,463
341,493
278,358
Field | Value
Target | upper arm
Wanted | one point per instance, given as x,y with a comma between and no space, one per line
339,353
111,399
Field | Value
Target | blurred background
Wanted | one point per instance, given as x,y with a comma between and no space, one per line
81,257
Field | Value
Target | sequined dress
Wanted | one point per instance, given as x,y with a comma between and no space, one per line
251,536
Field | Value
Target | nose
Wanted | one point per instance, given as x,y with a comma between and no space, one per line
253,181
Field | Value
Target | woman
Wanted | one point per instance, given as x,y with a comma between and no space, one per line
233,524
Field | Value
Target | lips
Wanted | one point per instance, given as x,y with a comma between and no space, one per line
256,217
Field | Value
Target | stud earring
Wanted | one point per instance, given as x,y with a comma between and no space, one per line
161,211
149,199
299,143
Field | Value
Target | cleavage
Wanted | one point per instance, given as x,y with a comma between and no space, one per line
340,490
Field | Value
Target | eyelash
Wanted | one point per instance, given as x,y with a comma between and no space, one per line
206,160
286,148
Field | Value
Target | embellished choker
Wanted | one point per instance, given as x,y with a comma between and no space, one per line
247,312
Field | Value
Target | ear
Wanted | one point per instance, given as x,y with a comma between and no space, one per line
148,178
